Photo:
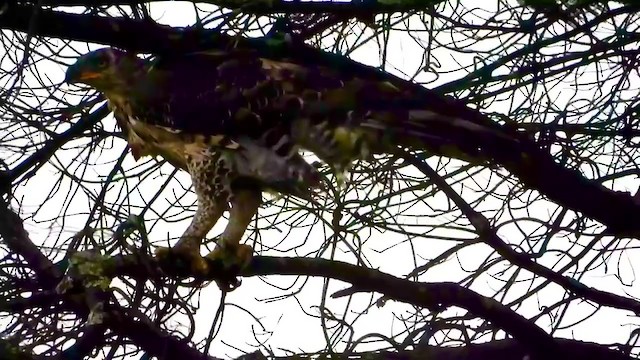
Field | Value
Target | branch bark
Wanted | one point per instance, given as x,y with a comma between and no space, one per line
432,296
262,7
507,349
490,237
353,7
17,240
144,334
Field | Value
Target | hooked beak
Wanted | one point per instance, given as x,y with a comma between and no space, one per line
75,75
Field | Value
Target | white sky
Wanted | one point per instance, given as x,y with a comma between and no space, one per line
289,326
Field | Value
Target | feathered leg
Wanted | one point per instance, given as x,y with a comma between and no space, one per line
211,182
244,205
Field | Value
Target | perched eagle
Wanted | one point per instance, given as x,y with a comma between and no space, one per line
236,122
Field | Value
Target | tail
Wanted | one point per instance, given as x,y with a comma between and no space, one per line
437,132
339,135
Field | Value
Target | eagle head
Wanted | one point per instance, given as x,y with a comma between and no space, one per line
105,69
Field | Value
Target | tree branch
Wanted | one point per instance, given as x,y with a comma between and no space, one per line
353,7
150,338
263,7
42,155
17,239
506,349
432,296
489,236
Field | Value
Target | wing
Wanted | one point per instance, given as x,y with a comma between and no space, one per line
237,97
192,100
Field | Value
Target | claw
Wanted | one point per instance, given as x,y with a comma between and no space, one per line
196,263
238,256
234,259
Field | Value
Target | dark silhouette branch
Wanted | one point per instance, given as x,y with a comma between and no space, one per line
93,337
354,8
489,236
506,349
432,296
146,335
17,240
42,155
151,339
478,76
435,296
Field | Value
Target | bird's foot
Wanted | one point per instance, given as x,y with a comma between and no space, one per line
234,259
184,255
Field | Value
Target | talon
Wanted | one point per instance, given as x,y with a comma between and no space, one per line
231,256
196,263
234,259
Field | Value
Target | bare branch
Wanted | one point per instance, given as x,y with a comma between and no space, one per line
488,234
433,296
154,341
42,155
17,239
507,349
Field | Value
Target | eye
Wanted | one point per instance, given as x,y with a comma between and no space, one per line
103,63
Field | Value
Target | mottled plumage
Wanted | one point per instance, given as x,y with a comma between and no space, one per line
236,122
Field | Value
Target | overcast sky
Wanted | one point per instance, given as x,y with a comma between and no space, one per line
293,323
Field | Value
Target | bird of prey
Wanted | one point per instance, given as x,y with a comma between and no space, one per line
237,122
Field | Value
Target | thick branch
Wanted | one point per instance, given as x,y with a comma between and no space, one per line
262,7
491,238
151,339
433,296
17,240
93,337
507,349
146,335
353,7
